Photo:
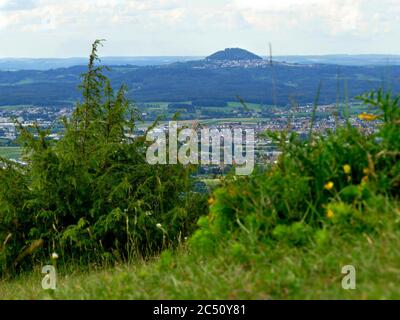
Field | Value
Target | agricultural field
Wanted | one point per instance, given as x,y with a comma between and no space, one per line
10,152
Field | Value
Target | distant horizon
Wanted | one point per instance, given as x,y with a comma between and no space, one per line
195,56
43,63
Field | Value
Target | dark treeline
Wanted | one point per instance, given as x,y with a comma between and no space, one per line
198,80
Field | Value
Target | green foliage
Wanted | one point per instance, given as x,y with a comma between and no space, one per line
204,240
91,196
166,260
297,233
240,271
239,252
337,180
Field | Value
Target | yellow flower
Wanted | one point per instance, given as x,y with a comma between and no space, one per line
330,214
367,117
347,169
211,201
366,171
329,185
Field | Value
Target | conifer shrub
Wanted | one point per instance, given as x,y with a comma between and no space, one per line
91,196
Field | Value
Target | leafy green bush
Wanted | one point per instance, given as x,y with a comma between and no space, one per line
323,181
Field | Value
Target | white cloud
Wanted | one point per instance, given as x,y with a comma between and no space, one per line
90,13
335,17
164,26
331,16
273,6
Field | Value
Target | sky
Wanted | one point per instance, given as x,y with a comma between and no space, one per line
66,28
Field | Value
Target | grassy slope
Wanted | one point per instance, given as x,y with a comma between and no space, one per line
280,272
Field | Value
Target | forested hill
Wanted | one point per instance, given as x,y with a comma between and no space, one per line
233,54
203,79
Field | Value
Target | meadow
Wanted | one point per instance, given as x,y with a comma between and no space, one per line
280,272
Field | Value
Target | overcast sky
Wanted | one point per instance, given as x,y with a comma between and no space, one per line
65,28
